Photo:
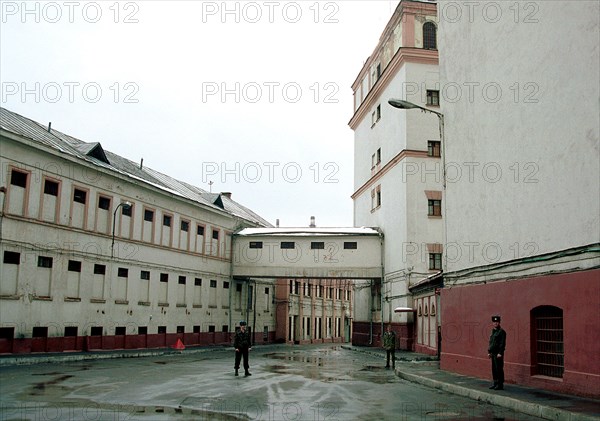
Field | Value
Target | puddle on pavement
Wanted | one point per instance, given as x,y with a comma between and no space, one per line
41,387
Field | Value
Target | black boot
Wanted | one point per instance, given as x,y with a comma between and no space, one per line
236,372
493,386
247,373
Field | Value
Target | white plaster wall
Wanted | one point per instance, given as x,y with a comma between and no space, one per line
22,307
533,149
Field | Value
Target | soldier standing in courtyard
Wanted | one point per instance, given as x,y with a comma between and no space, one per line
389,344
242,344
496,353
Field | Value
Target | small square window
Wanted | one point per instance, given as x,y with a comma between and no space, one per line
350,245
433,97
180,329
104,203
434,208
200,230
70,330
215,234
99,269
162,329
435,261
211,329
225,285
213,283
18,178
142,330
164,277
44,262
288,245
317,245
12,258
181,280
198,282
39,332
185,226
167,220
79,196
120,330
434,148
256,244
96,331
126,210
74,266
148,215
51,188
123,272
145,275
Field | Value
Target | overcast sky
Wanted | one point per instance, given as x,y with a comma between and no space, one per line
254,97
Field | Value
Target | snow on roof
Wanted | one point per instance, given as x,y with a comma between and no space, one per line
306,231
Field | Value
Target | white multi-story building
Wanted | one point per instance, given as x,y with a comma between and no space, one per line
397,175
99,252
523,189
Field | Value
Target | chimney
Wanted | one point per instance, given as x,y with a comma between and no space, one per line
312,222
227,194
50,127
277,223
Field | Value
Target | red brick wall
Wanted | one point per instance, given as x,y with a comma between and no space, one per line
466,326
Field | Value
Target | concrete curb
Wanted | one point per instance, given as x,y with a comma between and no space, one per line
28,359
529,408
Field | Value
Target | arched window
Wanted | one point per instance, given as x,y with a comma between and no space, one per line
429,36
548,352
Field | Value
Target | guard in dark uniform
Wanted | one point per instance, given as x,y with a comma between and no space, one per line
242,344
496,353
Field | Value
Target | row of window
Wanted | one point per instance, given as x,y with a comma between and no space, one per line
320,291
73,331
78,217
314,245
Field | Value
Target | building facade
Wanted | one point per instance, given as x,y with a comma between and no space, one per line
313,310
98,252
521,102
397,173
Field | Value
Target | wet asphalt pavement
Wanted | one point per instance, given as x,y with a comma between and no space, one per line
323,382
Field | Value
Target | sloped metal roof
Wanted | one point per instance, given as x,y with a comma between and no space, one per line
34,131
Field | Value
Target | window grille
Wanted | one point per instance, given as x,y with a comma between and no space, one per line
549,350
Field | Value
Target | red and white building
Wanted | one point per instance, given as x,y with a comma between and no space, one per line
521,104
398,177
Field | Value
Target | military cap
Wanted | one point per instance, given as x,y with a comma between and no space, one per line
495,318
242,323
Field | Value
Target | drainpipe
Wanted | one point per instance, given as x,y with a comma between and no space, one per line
371,315
382,278
254,311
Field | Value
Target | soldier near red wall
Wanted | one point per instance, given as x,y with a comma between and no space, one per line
496,349
242,344
389,344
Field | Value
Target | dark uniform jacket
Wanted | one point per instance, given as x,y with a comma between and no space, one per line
497,341
389,340
242,340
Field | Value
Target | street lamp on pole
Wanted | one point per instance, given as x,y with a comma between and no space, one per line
125,205
405,105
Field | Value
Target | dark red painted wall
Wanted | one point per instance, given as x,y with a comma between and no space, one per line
99,343
466,326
